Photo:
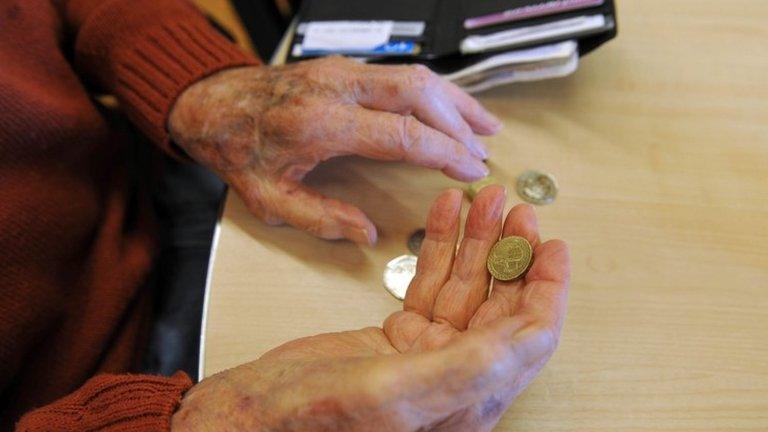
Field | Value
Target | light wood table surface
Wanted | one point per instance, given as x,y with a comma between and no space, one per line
660,145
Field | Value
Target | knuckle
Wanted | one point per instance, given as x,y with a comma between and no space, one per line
267,215
492,354
464,131
326,62
409,134
318,225
272,219
550,339
320,70
391,320
490,359
339,60
422,72
420,78
327,68
546,338
359,86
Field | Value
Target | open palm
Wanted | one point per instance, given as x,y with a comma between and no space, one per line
453,359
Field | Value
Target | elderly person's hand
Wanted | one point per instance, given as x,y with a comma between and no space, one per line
453,359
263,128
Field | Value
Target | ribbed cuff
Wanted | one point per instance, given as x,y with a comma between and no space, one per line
113,403
161,65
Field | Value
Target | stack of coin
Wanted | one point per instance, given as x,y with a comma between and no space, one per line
509,258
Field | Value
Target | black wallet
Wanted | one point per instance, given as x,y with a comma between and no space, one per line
444,26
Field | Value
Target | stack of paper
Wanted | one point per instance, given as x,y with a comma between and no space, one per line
544,62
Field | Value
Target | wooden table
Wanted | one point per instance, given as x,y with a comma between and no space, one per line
660,146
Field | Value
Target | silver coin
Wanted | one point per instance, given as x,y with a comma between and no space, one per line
398,275
536,187
415,241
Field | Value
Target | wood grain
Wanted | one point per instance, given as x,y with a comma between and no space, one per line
660,146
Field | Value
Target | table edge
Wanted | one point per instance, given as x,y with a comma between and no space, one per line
277,58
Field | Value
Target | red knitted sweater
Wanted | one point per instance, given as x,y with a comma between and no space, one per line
72,260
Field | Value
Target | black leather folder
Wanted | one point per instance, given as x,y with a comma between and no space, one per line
444,25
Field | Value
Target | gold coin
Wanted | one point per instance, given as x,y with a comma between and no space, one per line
474,188
509,258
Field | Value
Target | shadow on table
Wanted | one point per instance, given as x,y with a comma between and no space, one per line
338,178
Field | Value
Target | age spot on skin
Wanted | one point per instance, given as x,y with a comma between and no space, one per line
393,90
245,404
326,406
327,414
492,408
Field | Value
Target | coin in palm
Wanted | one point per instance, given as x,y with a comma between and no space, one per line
509,258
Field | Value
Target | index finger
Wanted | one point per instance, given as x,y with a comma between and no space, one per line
415,89
437,253
393,137
479,118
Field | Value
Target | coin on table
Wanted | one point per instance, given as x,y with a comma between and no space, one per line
509,258
474,188
536,187
398,275
415,241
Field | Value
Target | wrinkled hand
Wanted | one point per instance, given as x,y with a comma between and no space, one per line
453,359
263,128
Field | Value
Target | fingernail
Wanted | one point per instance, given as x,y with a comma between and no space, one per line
482,150
479,169
496,123
360,236
493,126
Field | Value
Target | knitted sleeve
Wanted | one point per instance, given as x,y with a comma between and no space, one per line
146,52
114,403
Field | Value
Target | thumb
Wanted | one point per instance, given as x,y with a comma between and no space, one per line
475,367
308,210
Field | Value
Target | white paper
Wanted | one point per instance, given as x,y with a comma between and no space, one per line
399,28
514,75
562,50
346,35
530,34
